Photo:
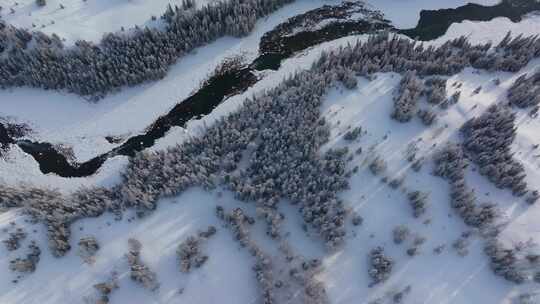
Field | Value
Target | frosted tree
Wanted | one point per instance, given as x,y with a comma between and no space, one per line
406,100
488,139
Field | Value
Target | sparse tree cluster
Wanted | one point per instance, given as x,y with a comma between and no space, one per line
427,116
406,101
435,90
525,92
380,266
57,212
237,221
353,134
13,242
450,164
106,288
488,141
29,263
400,234
377,166
461,245
451,100
504,262
190,252
139,272
418,201
88,247
278,285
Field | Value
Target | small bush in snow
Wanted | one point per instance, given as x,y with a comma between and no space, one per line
29,263
461,245
139,272
435,90
357,219
377,166
190,252
418,201
41,2
400,234
396,182
439,249
88,247
14,240
106,288
406,100
353,134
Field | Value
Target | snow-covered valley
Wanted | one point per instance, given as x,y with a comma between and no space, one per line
440,259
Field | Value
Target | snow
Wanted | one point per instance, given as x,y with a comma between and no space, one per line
227,277
85,19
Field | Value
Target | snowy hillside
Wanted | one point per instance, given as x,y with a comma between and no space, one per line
328,179
84,20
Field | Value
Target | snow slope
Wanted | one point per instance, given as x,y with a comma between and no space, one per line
227,277
444,278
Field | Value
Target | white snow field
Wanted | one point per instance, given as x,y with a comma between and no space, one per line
227,277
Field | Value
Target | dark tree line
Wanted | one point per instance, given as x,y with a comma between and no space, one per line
124,58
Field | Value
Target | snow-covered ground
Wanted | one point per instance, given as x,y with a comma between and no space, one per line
84,19
444,278
227,277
